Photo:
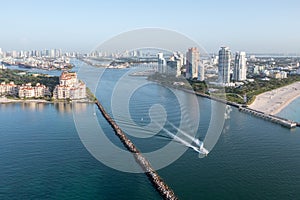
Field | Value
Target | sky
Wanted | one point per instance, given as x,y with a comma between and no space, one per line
256,26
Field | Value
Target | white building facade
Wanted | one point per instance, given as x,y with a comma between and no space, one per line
240,67
69,87
224,65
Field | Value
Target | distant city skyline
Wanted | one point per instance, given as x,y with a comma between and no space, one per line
255,27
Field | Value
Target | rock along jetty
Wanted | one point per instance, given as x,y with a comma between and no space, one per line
272,118
164,190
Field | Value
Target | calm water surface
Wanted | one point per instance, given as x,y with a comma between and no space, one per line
42,157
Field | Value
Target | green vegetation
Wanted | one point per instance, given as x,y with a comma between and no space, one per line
91,97
199,86
258,86
169,80
233,94
20,77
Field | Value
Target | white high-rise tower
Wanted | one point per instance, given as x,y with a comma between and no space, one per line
161,63
224,65
240,67
201,72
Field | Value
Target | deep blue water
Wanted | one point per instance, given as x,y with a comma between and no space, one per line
42,157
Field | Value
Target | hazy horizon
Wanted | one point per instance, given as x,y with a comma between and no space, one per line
254,27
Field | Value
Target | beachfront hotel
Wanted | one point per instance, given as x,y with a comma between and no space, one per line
69,87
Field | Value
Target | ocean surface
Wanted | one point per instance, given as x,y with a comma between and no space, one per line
42,156
292,111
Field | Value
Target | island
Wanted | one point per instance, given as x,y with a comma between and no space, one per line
17,85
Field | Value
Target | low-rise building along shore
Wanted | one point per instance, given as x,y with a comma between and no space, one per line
24,90
8,88
69,88
29,91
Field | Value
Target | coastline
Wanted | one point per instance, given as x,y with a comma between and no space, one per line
5,100
274,101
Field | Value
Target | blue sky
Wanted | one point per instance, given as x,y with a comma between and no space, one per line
252,26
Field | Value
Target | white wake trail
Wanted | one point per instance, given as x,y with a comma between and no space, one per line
178,139
195,140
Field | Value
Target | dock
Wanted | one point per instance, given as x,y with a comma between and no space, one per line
163,189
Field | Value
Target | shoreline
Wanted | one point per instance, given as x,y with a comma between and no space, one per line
274,101
5,100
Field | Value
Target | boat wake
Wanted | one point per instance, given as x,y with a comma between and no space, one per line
198,147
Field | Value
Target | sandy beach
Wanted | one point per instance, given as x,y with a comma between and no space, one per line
274,101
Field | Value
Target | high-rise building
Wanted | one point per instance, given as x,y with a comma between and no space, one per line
192,62
52,53
201,72
174,64
224,65
240,68
14,54
161,63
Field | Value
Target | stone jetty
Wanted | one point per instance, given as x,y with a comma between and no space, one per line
164,190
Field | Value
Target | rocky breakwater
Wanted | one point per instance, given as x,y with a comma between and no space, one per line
164,190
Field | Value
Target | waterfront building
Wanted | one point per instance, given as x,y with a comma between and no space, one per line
69,87
41,90
224,65
8,88
173,66
29,91
201,72
26,91
240,67
161,63
175,63
192,62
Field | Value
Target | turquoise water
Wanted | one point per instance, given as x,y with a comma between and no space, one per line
292,111
42,157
